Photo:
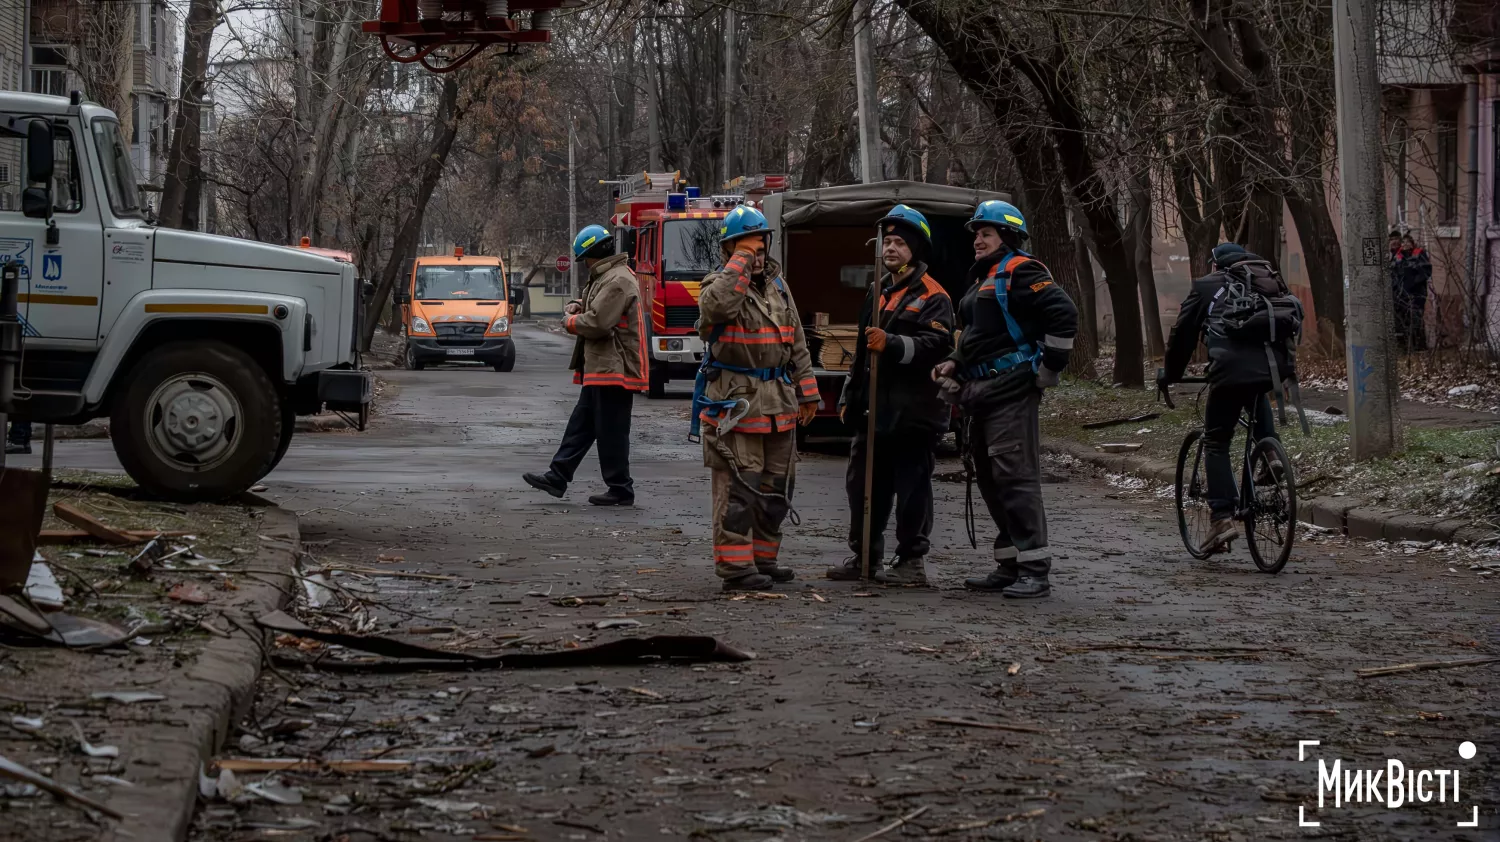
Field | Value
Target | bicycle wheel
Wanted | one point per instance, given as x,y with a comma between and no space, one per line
1193,516
1271,516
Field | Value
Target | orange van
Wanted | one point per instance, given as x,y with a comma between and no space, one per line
458,309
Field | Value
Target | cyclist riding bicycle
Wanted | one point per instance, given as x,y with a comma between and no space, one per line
1242,367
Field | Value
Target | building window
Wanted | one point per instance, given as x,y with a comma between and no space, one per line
1447,171
556,282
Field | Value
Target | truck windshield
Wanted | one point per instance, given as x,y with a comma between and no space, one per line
689,248
114,161
477,283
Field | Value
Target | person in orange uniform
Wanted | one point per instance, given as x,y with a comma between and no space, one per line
609,361
755,386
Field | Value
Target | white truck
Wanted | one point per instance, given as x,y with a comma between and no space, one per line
200,349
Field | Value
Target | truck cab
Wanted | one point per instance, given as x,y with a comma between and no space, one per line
458,308
200,349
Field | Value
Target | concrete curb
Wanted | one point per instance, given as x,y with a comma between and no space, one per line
211,695
1348,515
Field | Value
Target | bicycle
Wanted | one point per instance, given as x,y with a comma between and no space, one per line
1267,503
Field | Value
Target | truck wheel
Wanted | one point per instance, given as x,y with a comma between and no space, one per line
507,363
288,425
656,386
197,420
412,363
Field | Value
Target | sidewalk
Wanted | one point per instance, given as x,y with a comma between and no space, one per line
1444,487
189,674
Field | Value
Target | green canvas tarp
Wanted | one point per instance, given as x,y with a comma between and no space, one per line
863,204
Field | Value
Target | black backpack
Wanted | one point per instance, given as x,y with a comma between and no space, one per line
1255,306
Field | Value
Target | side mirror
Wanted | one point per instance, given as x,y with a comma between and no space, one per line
402,296
39,152
36,202
517,295
367,290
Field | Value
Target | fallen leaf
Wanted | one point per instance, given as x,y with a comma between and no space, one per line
187,593
1012,669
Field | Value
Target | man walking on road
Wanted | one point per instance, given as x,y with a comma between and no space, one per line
609,360
755,387
1018,329
912,332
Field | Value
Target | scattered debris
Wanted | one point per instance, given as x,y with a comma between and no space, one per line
42,588
617,624
1117,447
23,723
275,791
127,697
772,818
1464,391
303,764
1422,666
991,726
143,561
445,806
396,574
188,593
893,825
983,823
1012,669
1114,422
92,525
16,772
52,537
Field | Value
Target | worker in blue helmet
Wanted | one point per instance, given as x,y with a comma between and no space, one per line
1018,329
755,386
909,323
609,362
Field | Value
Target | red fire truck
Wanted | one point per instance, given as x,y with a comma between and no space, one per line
672,231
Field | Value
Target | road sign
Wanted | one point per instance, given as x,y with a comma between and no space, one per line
564,263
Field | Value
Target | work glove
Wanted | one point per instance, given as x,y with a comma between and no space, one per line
1046,378
806,412
573,308
875,339
948,385
750,244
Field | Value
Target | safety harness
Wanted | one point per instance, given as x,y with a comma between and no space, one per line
1026,353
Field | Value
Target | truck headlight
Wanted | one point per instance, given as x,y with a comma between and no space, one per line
420,325
500,325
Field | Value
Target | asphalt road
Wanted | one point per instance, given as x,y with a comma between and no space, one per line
1151,697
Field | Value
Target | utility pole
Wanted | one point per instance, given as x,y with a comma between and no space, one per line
1370,355
653,102
572,213
868,108
731,87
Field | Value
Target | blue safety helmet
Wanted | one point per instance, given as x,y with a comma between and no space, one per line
907,219
1002,215
744,221
590,239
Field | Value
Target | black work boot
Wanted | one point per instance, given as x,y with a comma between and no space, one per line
850,571
1003,576
780,575
548,482
748,582
612,498
1032,582
905,571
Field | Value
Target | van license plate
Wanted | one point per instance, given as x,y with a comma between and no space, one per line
460,352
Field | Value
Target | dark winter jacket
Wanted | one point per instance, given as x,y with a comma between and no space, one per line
1047,317
917,316
1410,272
1229,363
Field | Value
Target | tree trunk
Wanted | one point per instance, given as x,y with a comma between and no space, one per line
181,189
1141,231
445,129
1199,217
1324,259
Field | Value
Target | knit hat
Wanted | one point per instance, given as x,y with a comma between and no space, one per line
1226,253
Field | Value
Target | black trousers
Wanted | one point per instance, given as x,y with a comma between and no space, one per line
1221,417
1006,446
903,474
602,415
20,432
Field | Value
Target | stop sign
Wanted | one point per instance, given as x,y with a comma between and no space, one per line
564,263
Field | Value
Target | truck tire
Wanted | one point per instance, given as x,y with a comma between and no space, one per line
409,357
288,424
197,420
507,363
656,385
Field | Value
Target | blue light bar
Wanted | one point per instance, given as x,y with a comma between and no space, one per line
677,201
693,192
